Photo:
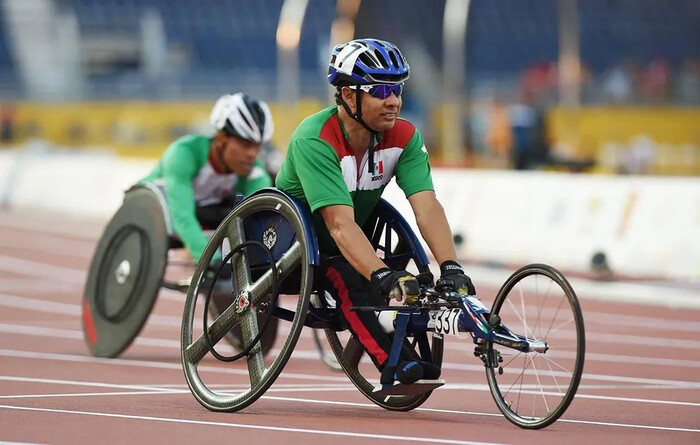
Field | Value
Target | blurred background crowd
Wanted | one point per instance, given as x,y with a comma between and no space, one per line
610,86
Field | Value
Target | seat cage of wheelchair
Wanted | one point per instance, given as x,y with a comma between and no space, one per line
387,231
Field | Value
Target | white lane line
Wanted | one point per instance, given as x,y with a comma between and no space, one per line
297,354
28,267
8,378
50,244
56,225
637,293
2,442
53,307
621,292
635,321
252,427
34,285
89,394
235,389
611,358
461,386
40,305
312,355
153,364
472,413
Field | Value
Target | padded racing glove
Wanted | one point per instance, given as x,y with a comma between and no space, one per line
398,284
450,270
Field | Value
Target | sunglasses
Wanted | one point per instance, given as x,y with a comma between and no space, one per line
380,91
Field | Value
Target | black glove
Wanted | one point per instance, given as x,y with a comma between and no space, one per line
449,270
395,284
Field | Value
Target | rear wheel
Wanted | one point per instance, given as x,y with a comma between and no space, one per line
349,353
275,214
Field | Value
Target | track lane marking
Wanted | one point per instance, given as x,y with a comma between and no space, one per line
252,427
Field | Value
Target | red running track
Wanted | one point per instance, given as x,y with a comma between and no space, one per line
641,382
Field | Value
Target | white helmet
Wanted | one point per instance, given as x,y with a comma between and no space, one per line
243,116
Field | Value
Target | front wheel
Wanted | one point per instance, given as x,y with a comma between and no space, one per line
533,389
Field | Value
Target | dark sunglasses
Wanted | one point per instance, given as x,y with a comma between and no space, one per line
380,91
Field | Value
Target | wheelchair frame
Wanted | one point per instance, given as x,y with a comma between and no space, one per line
471,316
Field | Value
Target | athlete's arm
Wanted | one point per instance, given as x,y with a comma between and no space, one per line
433,225
178,170
351,240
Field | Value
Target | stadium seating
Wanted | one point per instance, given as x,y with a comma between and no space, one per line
229,42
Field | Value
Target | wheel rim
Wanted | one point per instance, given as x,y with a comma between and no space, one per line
535,388
120,275
261,371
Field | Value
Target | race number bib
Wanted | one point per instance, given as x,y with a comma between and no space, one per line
445,321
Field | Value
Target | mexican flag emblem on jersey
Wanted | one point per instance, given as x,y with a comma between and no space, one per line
379,168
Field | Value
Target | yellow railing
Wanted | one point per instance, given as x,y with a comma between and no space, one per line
131,128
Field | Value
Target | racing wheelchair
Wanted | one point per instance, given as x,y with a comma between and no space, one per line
531,345
128,270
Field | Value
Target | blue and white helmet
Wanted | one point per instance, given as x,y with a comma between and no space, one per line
367,61
242,116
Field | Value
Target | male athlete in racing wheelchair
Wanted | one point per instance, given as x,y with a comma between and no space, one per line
320,233
195,184
338,162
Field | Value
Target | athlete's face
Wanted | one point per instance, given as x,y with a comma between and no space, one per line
238,155
379,114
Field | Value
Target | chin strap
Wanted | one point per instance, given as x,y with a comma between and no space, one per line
358,117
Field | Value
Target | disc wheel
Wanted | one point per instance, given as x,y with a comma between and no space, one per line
125,274
534,389
261,371
349,352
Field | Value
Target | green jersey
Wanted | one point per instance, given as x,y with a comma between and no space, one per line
321,169
187,173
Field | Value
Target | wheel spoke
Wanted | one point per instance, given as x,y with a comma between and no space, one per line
537,377
551,371
256,362
549,360
566,323
519,378
236,236
227,320
541,307
263,286
505,365
521,319
554,317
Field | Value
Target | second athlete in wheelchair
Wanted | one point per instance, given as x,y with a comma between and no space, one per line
319,233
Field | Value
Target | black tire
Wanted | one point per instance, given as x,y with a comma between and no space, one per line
396,244
349,356
262,372
563,368
125,274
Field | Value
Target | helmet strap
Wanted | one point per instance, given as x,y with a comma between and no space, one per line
358,117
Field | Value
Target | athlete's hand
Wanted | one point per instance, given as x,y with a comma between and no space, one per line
449,270
399,285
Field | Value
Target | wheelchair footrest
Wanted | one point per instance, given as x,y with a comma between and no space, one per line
399,389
